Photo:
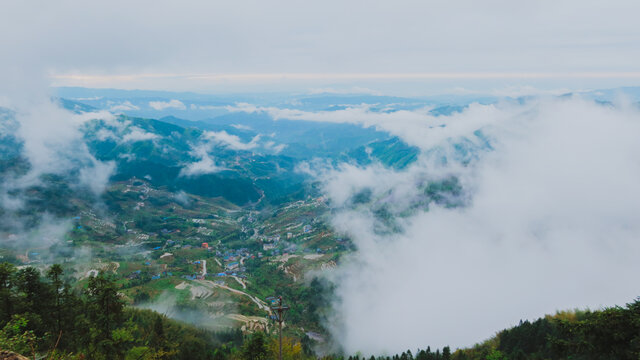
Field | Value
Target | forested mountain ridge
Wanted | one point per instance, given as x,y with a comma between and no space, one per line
53,314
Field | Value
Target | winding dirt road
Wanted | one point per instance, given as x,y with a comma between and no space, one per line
261,304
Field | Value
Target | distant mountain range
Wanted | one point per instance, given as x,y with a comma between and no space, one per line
245,172
201,145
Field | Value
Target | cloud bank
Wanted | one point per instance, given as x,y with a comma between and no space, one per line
232,142
418,127
550,221
163,105
208,140
137,134
124,106
53,143
49,141
205,165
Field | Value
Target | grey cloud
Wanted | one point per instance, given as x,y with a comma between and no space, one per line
233,142
171,104
205,164
551,222
50,142
257,37
135,133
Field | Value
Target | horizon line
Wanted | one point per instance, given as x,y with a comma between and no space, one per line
341,76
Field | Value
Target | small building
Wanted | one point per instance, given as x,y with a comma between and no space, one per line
291,248
134,275
205,245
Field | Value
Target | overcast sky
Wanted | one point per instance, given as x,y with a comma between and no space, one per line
161,44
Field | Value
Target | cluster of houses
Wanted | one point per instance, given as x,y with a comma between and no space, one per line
271,243
233,262
95,221
136,275
233,259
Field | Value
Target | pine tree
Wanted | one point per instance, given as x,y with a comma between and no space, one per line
446,353
104,311
7,277
158,339
55,276
255,348
34,298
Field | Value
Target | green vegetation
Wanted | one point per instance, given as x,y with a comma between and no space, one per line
54,314
612,333
393,153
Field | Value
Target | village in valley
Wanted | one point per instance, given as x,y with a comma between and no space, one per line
182,254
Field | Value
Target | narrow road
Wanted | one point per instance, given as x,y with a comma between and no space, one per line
261,304
244,286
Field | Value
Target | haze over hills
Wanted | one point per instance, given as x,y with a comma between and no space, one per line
329,200
405,180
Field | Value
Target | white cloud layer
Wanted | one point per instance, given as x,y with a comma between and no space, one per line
241,127
418,127
344,91
230,141
205,165
210,139
552,222
171,104
124,106
53,143
137,134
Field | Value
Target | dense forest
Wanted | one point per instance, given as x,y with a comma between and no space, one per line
609,334
54,315
612,333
